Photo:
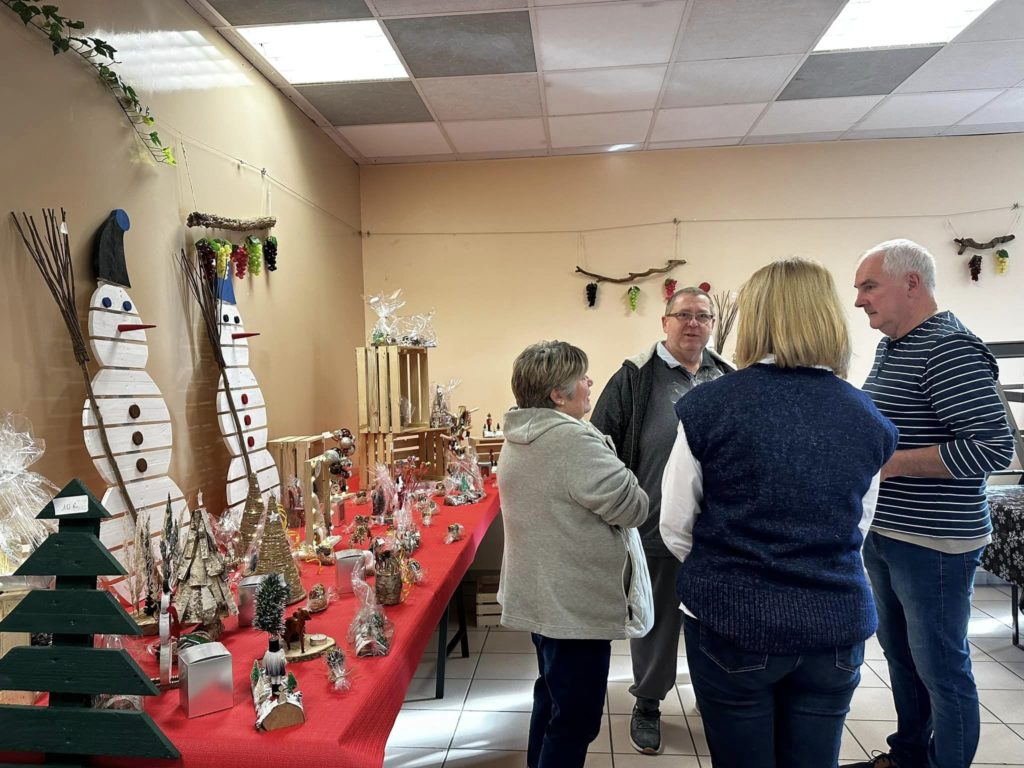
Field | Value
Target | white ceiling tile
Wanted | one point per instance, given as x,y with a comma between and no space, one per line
570,2
920,110
814,115
590,130
728,81
966,66
964,130
502,154
497,135
603,90
396,139
726,29
1003,21
704,122
1008,108
408,159
793,138
613,35
727,142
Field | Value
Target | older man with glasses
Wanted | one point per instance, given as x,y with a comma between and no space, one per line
636,409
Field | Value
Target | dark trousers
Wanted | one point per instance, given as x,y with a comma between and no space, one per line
654,654
763,710
924,605
568,700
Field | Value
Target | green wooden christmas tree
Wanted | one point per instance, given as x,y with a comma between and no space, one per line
72,670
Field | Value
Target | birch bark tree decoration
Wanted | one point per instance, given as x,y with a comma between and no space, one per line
52,256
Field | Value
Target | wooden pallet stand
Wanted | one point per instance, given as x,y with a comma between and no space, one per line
71,669
386,375
427,445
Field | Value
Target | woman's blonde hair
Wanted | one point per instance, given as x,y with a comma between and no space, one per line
790,309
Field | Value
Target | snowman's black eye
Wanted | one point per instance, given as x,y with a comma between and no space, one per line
237,320
107,302
225,318
127,306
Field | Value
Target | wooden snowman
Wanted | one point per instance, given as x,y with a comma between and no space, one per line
138,424
249,405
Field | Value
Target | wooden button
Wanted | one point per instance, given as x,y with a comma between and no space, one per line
141,465
245,399
134,411
251,441
248,419
137,438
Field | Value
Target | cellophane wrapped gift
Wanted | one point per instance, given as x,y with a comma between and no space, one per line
385,331
22,494
371,631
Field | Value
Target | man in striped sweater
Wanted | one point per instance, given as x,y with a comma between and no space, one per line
936,381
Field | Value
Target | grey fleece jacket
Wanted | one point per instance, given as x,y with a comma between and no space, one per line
564,572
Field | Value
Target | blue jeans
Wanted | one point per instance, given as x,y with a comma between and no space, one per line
763,710
568,700
924,603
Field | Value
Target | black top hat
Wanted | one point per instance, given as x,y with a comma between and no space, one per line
108,258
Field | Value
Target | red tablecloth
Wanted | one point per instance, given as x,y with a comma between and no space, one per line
342,730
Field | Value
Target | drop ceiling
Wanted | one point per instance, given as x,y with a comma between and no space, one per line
523,78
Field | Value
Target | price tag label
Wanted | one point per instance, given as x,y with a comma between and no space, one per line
71,505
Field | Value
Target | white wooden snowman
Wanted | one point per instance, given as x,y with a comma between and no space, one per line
249,404
134,412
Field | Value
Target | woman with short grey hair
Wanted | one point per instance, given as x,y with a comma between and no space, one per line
573,572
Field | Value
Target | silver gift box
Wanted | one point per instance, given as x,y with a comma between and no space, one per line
206,682
344,563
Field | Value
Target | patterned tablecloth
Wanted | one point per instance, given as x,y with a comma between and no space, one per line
1004,557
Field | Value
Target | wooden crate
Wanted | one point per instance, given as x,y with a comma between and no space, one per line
428,445
385,375
488,448
487,609
291,455
9,640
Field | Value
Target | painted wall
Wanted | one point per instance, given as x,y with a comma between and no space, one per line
740,207
64,142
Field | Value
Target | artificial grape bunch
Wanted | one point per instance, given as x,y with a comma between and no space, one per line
1002,261
207,258
975,266
670,287
240,258
254,250
270,253
591,294
634,297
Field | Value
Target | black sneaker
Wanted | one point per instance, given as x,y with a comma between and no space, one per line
645,731
878,761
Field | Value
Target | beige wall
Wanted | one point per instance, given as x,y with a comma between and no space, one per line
63,142
741,208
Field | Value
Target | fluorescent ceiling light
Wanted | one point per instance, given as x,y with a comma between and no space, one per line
890,23
328,52
620,147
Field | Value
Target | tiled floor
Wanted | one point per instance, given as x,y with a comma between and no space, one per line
484,716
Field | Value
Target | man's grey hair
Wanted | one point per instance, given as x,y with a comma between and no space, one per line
901,257
688,291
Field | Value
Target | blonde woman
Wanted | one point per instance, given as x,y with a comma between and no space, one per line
766,499
573,572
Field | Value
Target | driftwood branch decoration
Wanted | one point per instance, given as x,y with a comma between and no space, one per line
205,293
53,258
213,221
632,276
966,242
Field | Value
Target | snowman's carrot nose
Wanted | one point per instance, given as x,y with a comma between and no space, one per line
122,327
244,335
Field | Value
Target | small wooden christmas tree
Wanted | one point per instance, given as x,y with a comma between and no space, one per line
69,729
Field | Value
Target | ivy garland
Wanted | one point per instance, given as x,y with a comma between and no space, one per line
99,54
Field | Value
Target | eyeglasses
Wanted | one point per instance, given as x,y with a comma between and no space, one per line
701,317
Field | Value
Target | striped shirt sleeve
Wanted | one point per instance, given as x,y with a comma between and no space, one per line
960,383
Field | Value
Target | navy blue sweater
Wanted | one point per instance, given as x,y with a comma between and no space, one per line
787,456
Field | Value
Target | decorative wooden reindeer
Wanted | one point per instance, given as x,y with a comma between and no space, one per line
295,629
